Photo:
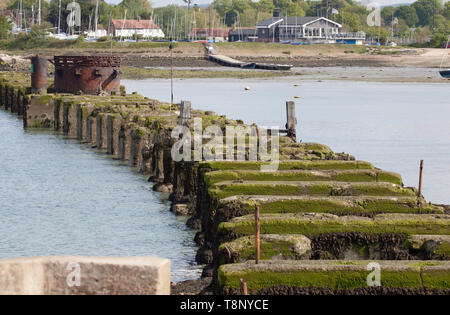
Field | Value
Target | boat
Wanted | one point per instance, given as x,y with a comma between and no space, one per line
250,65
445,73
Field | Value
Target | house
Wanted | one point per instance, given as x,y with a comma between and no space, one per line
100,32
218,34
306,29
243,34
130,28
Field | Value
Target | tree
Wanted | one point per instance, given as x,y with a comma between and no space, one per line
408,14
425,10
387,13
5,27
446,11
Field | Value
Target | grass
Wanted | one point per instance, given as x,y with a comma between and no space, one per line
339,206
143,73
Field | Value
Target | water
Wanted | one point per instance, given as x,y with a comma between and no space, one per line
58,197
393,125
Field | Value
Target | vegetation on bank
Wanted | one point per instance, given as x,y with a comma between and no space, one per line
155,73
426,21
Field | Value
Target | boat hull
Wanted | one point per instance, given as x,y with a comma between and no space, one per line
445,73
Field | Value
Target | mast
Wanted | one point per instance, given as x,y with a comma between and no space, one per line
39,13
20,9
445,53
123,24
59,16
96,18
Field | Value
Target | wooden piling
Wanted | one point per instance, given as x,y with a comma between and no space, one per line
257,235
185,113
420,178
244,290
291,120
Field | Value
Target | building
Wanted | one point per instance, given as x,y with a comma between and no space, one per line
243,34
100,32
130,28
306,29
217,34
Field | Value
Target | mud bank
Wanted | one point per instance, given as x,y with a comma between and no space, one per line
318,206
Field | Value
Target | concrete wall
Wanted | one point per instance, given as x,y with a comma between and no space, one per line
85,275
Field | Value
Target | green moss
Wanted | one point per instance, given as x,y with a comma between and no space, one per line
304,175
46,99
277,246
356,206
443,249
436,277
227,189
288,165
345,277
315,225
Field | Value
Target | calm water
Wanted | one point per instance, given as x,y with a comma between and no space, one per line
58,197
393,125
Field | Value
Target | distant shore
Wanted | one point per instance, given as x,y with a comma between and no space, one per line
315,62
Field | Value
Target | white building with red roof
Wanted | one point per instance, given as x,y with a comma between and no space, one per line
128,28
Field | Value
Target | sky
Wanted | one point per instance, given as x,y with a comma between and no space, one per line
158,3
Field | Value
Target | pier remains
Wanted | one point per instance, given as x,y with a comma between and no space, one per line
87,74
325,218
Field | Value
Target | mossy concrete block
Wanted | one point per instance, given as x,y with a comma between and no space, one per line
334,275
273,246
298,188
340,205
288,165
305,175
311,224
436,275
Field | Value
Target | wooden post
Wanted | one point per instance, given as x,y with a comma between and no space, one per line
291,120
171,73
257,235
244,290
420,178
185,113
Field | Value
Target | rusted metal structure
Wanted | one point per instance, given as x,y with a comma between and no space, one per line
38,74
88,74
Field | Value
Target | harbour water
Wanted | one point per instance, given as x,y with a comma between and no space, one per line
393,125
59,197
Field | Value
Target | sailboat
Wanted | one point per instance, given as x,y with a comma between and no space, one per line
445,73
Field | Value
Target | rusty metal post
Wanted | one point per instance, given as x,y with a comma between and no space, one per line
420,178
244,290
291,120
257,235
38,75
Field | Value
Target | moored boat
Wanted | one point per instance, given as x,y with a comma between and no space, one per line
445,73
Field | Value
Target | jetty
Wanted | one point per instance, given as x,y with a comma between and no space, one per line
321,223
230,62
